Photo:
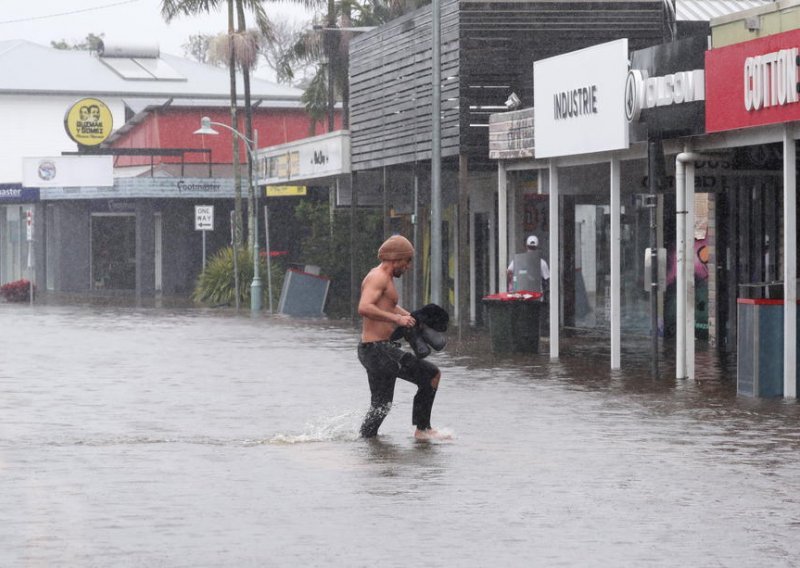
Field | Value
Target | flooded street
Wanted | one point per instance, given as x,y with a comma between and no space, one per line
199,438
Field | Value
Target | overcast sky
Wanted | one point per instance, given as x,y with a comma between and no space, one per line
43,21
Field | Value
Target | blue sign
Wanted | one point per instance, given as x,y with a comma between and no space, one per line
15,193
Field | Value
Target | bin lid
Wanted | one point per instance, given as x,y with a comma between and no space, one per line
518,296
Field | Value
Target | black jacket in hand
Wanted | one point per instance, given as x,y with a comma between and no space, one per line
428,332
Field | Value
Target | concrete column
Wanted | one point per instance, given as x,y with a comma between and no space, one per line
789,264
502,227
615,264
555,265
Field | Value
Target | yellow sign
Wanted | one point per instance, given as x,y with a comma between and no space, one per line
88,122
285,190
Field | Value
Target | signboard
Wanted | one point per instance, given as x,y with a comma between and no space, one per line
286,190
511,134
148,187
88,122
203,217
753,83
283,165
29,224
310,158
665,89
15,193
578,101
303,294
68,171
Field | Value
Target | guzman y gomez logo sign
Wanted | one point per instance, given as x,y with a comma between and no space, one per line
753,83
89,122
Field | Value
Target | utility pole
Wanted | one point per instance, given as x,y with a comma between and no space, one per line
653,181
436,156
329,38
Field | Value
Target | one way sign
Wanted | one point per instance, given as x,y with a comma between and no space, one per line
203,217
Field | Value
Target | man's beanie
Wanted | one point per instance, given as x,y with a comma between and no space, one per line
396,248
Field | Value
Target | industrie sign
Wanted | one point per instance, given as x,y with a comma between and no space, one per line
578,101
753,83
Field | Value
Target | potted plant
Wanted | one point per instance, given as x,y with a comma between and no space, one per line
17,291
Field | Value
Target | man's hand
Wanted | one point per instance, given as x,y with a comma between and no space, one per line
405,320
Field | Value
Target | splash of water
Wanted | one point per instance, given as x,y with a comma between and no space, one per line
340,428
444,435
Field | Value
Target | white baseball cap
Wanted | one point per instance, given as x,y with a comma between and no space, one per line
532,241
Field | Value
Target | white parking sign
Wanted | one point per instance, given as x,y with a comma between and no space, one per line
203,217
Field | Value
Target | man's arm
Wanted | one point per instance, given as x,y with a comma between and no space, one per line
372,290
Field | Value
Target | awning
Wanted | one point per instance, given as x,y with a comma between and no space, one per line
705,10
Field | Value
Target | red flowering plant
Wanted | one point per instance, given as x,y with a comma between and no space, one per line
17,291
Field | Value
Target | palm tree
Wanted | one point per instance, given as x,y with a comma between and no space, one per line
331,79
170,9
248,53
241,48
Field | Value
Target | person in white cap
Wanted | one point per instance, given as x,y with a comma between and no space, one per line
381,356
532,244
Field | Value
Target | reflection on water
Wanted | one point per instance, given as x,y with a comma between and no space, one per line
185,437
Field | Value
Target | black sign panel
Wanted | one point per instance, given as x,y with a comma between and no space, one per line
665,91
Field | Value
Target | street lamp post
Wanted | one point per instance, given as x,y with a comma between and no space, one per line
251,145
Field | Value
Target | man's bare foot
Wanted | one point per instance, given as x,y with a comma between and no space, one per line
431,434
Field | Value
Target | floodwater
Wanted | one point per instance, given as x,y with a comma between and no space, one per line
177,437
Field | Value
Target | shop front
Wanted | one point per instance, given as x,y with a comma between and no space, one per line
17,214
603,131
753,108
578,144
106,235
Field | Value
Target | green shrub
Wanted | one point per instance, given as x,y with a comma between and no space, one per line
215,286
329,247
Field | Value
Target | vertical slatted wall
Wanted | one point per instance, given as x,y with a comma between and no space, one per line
501,40
390,90
488,49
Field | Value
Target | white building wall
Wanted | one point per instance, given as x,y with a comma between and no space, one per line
33,126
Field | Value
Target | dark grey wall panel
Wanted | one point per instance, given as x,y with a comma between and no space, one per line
488,50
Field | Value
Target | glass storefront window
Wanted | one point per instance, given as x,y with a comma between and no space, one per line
113,252
14,244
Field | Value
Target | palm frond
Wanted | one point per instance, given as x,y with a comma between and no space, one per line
171,9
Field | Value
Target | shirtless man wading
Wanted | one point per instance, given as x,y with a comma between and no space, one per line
383,359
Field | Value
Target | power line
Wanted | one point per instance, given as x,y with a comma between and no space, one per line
33,18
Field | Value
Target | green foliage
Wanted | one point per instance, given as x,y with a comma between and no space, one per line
377,12
315,100
329,247
197,48
215,286
89,44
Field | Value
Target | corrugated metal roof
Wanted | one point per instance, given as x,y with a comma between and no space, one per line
27,67
705,10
